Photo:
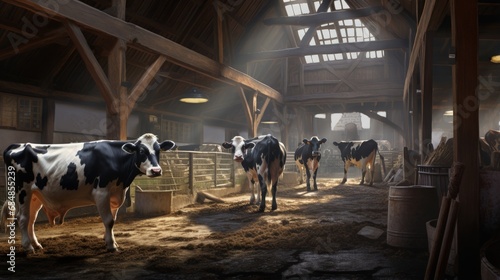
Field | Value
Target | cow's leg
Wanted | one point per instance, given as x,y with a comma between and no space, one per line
36,205
263,191
273,191
24,219
300,171
363,173
259,194
308,179
251,184
314,179
346,168
301,174
102,200
372,171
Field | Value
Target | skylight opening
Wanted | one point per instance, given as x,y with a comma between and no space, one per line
341,31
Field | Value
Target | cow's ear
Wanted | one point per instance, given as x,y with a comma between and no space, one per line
227,145
249,145
323,140
305,140
335,143
167,145
129,148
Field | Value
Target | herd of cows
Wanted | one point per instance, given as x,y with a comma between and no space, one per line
59,177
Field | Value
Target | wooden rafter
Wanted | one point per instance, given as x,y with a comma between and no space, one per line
34,43
92,64
144,81
325,4
433,13
322,18
328,49
98,21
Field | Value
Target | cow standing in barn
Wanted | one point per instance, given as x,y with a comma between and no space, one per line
65,176
263,159
361,155
242,151
307,157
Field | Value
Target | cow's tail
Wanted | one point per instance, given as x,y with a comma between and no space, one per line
382,161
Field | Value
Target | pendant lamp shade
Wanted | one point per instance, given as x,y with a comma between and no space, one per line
194,96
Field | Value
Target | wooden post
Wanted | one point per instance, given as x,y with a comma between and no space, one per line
191,173
117,120
426,86
464,25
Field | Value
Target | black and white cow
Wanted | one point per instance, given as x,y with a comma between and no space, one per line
360,154
242,152
60,177
307,157
263,159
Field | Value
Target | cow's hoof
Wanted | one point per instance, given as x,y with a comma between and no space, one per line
308,190
29,250
113,250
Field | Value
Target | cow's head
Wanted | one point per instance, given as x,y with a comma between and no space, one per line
344,147
239,147
147,153
315,144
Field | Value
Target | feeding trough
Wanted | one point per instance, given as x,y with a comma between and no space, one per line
153,202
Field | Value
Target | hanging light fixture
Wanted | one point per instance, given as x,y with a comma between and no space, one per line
194,96
269,122
495,58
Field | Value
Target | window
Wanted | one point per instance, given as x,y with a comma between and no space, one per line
20,112
341,31
29,114
177,131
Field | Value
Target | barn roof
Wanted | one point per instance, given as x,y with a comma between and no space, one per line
224,48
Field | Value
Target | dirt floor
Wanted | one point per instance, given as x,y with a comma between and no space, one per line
310,236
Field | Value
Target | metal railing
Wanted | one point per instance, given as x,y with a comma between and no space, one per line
186,171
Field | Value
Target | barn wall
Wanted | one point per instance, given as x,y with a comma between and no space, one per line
75,123
213,134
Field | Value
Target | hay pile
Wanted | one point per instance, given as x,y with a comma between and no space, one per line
442,155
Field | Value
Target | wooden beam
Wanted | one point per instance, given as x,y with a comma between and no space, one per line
464,21
427,93
243,79
322,18
62,60
306,39
92,64
328,49
246,109
144,81
116,121
220,34
34,43
334,97
98,21
384,120
433,11
262,111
